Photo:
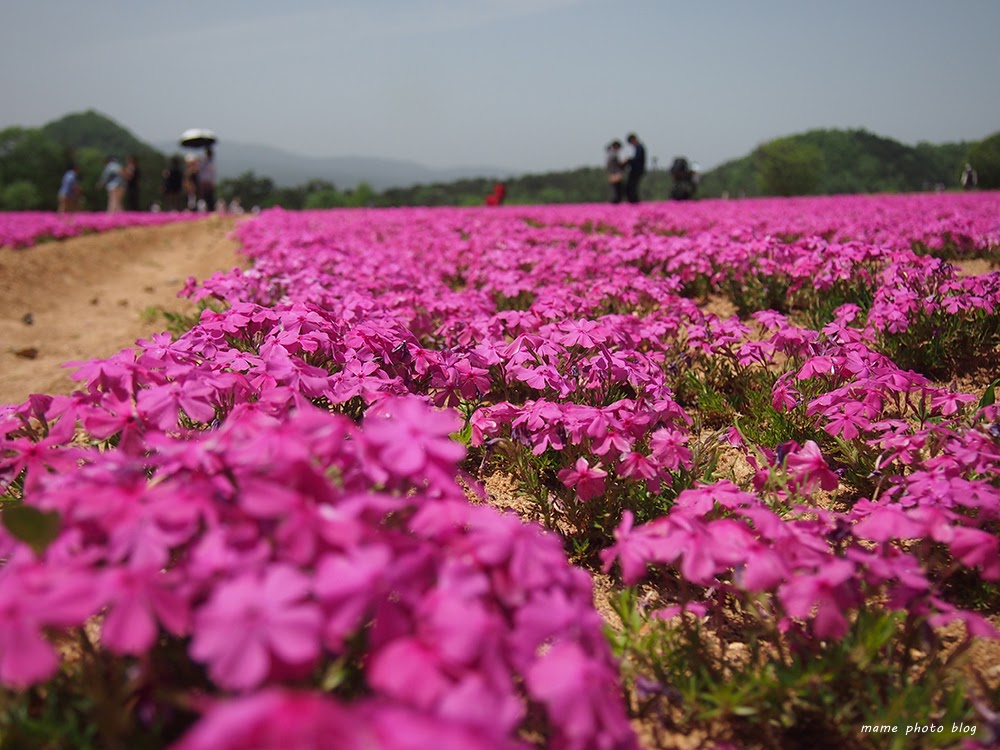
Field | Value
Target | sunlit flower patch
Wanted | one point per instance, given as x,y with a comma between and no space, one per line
744,413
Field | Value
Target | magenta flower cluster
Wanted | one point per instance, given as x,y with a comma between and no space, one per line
278,541
328,566
20,229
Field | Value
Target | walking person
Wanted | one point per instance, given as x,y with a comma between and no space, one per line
133,178
69,191
636,168
113,181
615,169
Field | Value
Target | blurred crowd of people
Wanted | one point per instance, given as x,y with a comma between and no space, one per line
188,184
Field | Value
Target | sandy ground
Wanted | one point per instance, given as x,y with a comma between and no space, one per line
92,296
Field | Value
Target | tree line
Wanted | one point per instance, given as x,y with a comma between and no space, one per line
818,162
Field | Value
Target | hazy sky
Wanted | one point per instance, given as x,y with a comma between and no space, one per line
528,85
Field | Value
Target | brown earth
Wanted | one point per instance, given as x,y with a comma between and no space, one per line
92,296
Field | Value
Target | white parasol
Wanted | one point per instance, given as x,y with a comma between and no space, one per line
197,138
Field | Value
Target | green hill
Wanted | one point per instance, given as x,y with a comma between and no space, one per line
91,129
33,160
91,136
817,162
825,162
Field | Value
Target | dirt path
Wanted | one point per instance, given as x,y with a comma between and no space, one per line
92,296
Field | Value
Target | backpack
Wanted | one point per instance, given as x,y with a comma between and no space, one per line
173,180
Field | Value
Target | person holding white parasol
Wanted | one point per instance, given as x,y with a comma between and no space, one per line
202,138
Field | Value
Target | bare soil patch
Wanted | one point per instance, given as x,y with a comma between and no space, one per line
90,297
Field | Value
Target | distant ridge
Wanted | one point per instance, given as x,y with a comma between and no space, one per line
93,129
288,169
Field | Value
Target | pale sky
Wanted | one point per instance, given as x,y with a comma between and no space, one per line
526,85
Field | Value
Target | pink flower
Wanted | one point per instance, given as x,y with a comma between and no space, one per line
588,481
630,550
764,570
807,467
584,333
582,715
348,585
161,404
636,465
33,597
849,421
50,452
977,548
413,440
821,365
140,597
668,449
278,719
826,592
408,670
253,620
886,522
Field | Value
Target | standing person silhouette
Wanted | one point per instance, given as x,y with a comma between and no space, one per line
133,178
636,168
113,181
969,177
69,190
173,184
615,170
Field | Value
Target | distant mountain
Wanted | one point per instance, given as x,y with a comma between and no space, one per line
288,169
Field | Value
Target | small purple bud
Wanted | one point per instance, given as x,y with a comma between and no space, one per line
783,450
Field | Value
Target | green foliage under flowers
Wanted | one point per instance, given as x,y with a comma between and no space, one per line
97,702
750,683
943,344
588,526
753,292
178,323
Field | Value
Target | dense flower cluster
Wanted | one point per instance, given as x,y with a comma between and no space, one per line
20,229
329,566
286,539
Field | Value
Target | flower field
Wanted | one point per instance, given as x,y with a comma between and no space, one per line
20,229
766,429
